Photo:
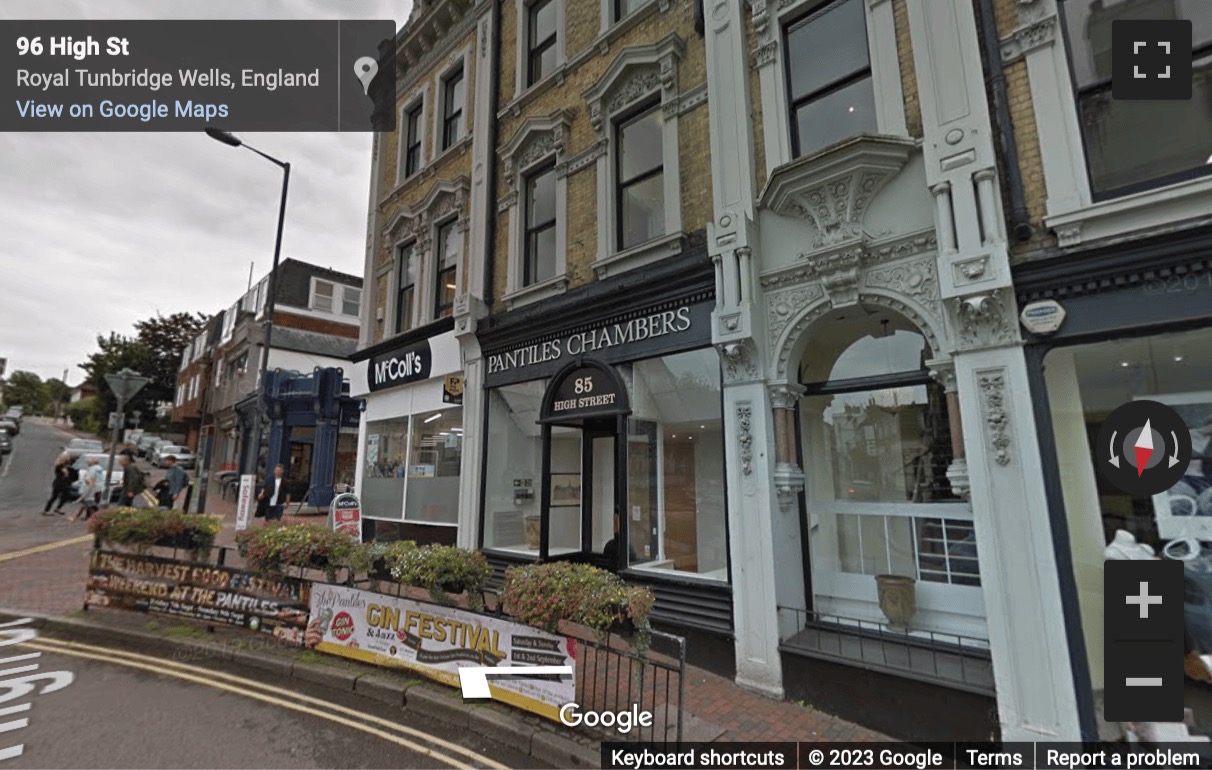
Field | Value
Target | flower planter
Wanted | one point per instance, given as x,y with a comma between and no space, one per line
624,628
183,541
898,600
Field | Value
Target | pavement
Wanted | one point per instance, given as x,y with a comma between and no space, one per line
44,578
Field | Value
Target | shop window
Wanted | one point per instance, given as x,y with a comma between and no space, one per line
542,34
641,186
322,295
453,100
385,468
412,139
540,258
432,495
513,468
676,502
829,84
876,448
411,467
1132,145
450,246
408,265
1085,383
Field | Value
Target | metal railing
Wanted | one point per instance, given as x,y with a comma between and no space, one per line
952,660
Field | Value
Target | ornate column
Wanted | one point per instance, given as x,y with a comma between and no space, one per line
943,372
788,476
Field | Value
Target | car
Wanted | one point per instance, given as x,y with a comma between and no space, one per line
15,412
6,442
115,476
9,424
185,458
143,443
81,446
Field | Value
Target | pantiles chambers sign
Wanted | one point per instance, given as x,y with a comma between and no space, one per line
663,329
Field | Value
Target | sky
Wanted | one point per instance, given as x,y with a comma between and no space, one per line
99,230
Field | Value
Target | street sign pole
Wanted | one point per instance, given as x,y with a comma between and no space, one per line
124,385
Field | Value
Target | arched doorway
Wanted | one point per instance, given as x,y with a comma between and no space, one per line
875,440
583,416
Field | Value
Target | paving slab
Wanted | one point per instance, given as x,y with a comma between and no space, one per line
433,704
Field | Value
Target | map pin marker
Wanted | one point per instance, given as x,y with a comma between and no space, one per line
366,68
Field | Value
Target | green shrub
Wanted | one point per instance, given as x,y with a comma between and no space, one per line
541,595
276,547
143,528
443,569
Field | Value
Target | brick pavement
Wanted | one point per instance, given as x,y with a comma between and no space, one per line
52,583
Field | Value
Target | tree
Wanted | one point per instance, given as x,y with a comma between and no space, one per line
117,353
28,390
166,338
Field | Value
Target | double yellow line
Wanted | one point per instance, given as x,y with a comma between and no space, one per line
443,751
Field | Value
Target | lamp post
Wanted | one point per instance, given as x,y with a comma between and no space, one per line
233,141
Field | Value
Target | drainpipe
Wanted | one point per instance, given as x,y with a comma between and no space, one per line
995,79
490,240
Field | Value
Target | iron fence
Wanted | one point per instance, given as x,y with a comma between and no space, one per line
953,660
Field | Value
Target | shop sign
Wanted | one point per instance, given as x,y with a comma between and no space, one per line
345,515
683,326
452,389
1043,317
270,605
244,500
435,641
587,392
401,366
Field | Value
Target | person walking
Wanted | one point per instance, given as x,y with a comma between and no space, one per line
61,485
133,479
92,483
172,485
276,496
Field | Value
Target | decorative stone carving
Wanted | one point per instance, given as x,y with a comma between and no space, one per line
943,373
744,424
1068,235
764,54
833,187
788,483
785,305
1027,38
997,418
839,275
971,270
957,477
985,320
761,17
740,362
641,83
915,279
785,396
537,148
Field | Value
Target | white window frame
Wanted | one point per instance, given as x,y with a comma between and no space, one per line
609,23
180,392
418,98
769,60
1072,213
312,295
635,76
432,262
461,59
345,290
521,68
536,142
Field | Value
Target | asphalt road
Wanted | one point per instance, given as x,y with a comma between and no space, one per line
25,483
127,710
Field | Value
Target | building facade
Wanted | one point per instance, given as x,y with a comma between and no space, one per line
192,400
1115,197
428,186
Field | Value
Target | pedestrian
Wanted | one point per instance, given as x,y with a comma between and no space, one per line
61,485
133,481
276,496
92,484
170,488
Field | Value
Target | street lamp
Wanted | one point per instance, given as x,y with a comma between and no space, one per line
234,141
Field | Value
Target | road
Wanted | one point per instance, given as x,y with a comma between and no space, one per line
25,486
129,710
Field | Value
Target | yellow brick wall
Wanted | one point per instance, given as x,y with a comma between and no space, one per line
755,106
582,29
451,165
904,46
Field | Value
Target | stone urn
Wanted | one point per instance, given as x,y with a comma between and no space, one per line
531,522
898,599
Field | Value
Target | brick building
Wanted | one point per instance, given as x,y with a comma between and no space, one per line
316,322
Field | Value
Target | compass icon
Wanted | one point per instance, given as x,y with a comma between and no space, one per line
1143,448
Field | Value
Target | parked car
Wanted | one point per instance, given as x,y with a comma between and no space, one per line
185,458
81,446
15,412
115,477
143,444
9,424
6,442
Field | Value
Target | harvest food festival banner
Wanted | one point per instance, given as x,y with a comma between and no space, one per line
435,641
270,605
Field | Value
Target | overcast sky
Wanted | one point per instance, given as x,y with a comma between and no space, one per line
100,230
